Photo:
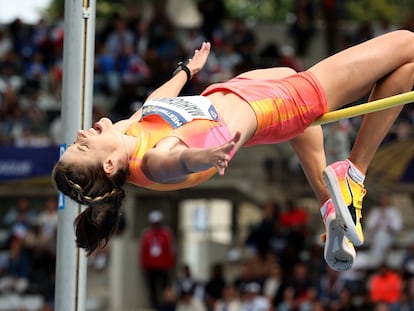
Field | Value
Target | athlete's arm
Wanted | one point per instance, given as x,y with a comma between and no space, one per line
173,87
163,164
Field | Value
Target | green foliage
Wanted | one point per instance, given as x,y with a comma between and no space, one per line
375,10
261,9
104,8
275,10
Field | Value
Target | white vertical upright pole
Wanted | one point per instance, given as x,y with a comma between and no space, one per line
77,89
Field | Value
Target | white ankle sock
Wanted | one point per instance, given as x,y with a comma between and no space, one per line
323,209
355,173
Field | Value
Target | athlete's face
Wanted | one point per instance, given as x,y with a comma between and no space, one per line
95,144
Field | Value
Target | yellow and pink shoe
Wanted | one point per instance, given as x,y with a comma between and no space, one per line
347,196
339,253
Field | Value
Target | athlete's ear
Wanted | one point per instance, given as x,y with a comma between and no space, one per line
109,166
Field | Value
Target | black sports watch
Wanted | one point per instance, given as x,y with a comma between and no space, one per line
182,66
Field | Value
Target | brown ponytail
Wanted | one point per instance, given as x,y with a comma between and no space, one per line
91,186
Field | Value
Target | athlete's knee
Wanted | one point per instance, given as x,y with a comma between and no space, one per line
405,76
406,37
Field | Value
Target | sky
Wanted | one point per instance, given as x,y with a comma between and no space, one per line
27,10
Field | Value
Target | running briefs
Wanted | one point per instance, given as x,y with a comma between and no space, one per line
284,107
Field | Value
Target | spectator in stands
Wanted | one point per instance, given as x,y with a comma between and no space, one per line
160,24
213,288
289,301
300,281
142,33
260,236
244,40
213,15
229,61
186,280
345,302
253,300
15,120
5,43
274,284
330,286
311,302
40,245
338,139
20,217
131,67
407,266
35,72
230,300
385,287
41,251
303,27
288,58
106,77
384,223
157,255
188,301
333,14
169,300
279,246
47,219
294,221
38,126
17,271
119,38
245,276
191,39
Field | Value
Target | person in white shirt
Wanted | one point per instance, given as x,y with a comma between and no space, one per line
383,224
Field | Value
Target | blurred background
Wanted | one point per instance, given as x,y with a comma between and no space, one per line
249,240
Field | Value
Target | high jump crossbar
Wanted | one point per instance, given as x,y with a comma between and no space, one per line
357,110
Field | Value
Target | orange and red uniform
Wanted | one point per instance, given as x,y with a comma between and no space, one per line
284,108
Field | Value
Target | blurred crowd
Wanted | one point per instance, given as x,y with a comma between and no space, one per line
280,265
134,55
28,252
283,269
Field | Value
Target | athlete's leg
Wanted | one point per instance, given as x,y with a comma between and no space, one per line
345,185
339,253
376,125
310,150
352,73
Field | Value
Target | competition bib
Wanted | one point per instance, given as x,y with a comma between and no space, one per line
179,110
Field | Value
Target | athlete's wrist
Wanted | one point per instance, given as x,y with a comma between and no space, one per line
183,67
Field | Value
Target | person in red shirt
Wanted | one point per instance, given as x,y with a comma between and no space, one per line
385,286
294,223
157,255
294,216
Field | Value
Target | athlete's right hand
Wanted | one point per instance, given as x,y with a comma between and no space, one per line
197,62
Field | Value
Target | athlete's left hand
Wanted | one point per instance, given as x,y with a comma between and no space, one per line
220,156
200,159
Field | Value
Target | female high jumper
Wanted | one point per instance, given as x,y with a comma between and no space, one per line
177,142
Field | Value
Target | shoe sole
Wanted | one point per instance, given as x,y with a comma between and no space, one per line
336,255
343,217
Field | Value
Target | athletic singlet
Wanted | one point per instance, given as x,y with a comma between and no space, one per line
193,119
